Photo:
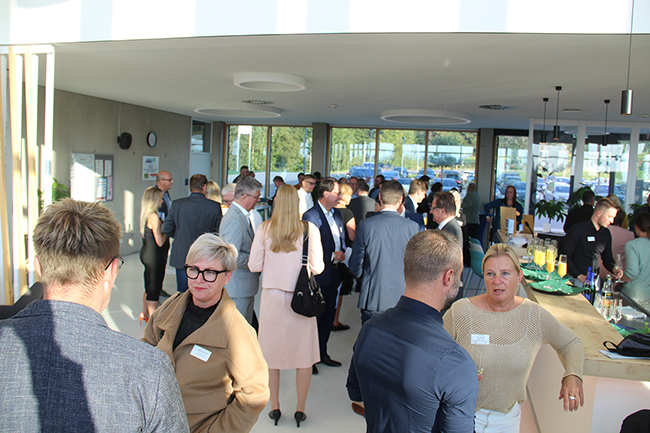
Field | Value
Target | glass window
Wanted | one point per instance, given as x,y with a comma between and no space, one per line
201,133
605,167
401,154
643,167
510,168
290,153
353,153
247,145
452,155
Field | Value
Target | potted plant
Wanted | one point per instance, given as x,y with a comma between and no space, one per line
551,209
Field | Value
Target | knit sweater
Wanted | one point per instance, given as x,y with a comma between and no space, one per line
515,337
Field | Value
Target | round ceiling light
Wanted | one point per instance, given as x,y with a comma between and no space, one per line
269,81
424,117
247,112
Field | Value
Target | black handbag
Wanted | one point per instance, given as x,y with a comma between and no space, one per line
636,344
307,298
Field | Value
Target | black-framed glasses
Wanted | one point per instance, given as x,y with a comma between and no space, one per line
119,263
209,275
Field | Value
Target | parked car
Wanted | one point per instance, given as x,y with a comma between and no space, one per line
430,173
562,191
454,175
390,174
406,183
521,191
403,172
447,183
365,171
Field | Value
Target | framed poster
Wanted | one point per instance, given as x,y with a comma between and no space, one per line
150,165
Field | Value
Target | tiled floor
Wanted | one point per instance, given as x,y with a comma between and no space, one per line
328,406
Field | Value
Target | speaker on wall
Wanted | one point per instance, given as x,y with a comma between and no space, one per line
124,140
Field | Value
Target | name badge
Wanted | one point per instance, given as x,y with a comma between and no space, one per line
200,353
480,339
591,239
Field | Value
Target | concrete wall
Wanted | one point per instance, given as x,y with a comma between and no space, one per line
85,124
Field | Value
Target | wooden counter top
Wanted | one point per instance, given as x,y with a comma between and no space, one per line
577,314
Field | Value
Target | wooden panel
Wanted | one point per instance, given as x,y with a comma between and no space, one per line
531,222
508,213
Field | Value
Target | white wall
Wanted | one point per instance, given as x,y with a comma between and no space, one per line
50,21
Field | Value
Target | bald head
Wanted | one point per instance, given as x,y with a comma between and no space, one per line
164,181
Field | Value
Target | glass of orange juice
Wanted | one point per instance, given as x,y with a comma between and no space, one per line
561,266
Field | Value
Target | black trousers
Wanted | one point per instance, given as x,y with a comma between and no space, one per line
326,320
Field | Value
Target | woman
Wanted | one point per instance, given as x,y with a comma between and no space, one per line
637,251
219,365
350,229
153,253
510,200
288,340
213,192
503,333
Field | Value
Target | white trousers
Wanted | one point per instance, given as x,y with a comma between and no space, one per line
491,421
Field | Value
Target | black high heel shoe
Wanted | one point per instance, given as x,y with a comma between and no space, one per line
275,415
299,416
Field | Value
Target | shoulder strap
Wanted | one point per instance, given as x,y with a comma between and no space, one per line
305,246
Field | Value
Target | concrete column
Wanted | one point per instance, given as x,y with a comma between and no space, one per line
218,152
485,163
320,148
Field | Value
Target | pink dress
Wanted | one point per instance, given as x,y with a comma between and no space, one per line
288,340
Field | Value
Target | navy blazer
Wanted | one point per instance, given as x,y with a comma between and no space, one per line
378,259
332,274
408,204
415,217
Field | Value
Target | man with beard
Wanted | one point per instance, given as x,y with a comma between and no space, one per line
432,384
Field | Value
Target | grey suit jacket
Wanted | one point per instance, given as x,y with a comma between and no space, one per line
378,259
188,219
453,228
65,370
236,229
361,206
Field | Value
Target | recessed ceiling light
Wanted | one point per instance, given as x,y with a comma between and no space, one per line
499,107
269,81
257,102
424,117
572,110
245,112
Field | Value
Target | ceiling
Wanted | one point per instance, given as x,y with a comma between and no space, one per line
366,74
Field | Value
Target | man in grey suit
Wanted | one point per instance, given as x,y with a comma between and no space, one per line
188,219
378,250
362,205
237,229
64,369
443,211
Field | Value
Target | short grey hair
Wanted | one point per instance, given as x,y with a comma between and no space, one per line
228,188
247,185
208,247
429,254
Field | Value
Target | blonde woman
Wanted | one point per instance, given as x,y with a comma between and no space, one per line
153,253
213,192
288,340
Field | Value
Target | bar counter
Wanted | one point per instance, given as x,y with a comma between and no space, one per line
613,389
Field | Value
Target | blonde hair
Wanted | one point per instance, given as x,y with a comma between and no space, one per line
285,227
458,201
346,193
498,250
213,192
208,247
148,205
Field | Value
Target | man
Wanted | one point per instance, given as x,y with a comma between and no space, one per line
277,182
471,205
407,371
413,216
581,213
329,222
305,194
189,218
228,195
362,206
590,240
164,183
243,172
301,176
374,192
63,368
379,245
417,193
354,184
643,209
443,212
237,228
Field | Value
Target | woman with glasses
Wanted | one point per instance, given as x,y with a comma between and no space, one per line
155,247
219,364
288,340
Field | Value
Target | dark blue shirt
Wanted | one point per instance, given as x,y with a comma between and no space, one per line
411,375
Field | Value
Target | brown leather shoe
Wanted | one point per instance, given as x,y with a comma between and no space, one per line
358,409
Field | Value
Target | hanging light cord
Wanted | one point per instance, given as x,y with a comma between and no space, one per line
629,53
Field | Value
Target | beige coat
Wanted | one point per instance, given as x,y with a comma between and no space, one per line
227,392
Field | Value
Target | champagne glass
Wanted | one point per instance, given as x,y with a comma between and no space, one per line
550,261
616,309
619,264
530,250
561,266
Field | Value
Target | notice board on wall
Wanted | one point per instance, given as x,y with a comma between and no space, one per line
91,177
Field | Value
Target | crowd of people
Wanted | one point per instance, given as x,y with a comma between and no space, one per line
214,362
